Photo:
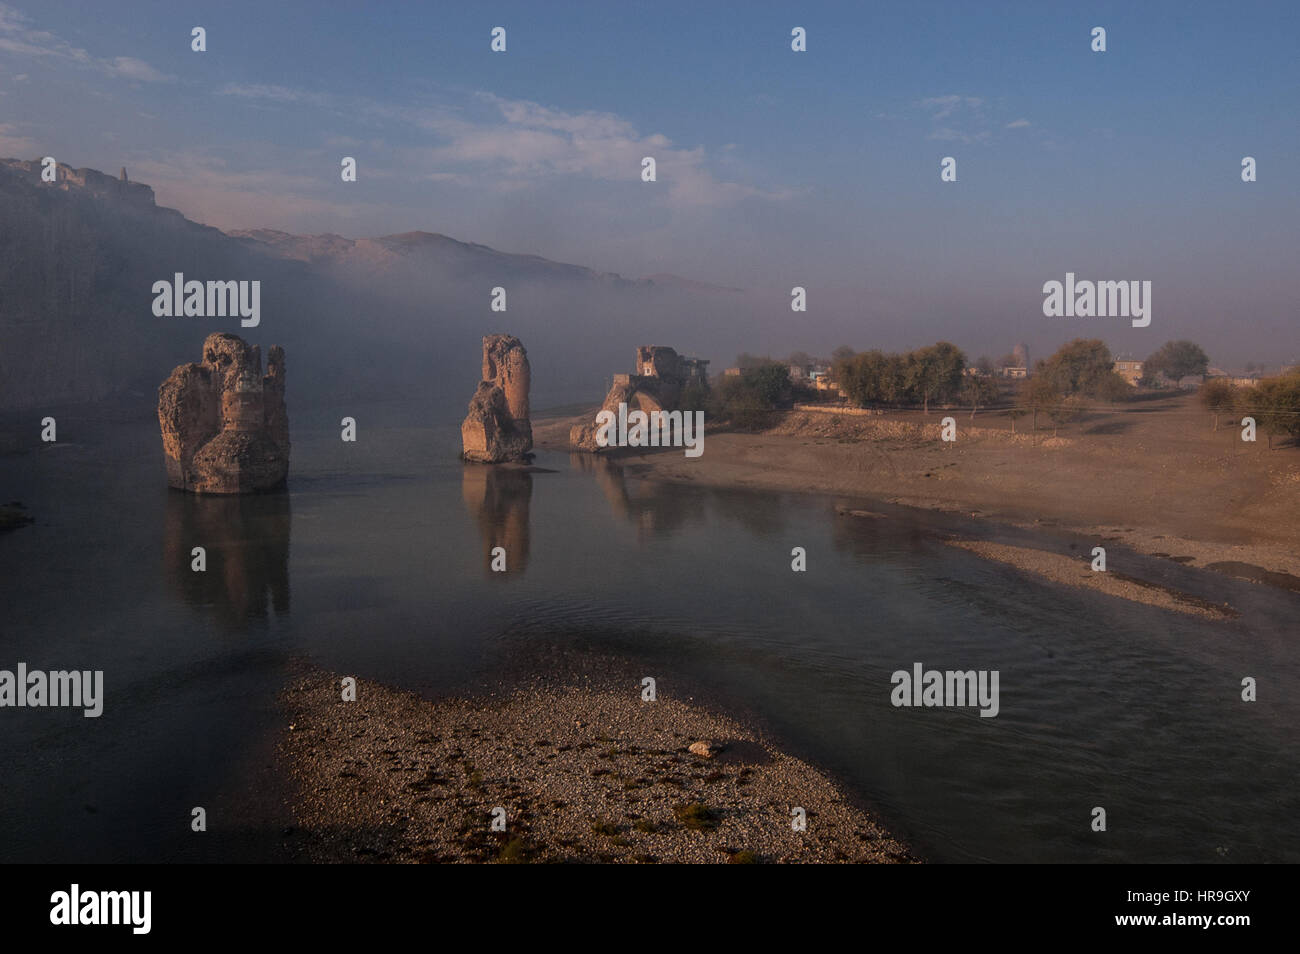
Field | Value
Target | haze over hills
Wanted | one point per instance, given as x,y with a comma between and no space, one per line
394,317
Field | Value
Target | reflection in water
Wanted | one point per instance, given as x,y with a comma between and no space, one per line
655,507
876,538
498,498
246,537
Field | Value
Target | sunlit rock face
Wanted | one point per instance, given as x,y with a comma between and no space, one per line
225,428
497,428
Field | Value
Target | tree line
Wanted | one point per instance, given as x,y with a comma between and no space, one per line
1274,403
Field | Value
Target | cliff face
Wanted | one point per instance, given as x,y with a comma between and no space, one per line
77,260
373,319
497,428
90,182
225,429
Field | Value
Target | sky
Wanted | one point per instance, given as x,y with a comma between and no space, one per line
775,168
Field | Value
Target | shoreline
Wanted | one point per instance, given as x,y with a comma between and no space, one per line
583,773
1160,485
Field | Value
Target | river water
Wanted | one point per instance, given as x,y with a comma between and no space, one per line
376,561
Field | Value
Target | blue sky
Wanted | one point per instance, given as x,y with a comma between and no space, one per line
775,168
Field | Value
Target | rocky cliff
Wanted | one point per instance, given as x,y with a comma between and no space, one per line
225,428
497,428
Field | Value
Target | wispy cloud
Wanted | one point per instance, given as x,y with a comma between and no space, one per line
273,93
941,107
508,145
533,142
19,37
128,67
1017,124
947,134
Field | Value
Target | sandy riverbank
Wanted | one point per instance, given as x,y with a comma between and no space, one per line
1151,475
583,774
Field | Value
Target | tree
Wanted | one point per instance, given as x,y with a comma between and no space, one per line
1040,393
984,365
979,391
1015,412
1177,360
800,359
1275,405
1064,411
1080,366
1218,396
747,400
841,354
771,383
871,378
934,373
1111,387
746,361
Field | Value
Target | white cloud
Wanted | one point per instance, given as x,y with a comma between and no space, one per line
1017,124
532,142
128,67
941,107
273,93
19,38
519,142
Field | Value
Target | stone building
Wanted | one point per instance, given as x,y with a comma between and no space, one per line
1129,370
657,384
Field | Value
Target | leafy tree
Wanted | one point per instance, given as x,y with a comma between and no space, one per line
979,391
1275,405
934,373
771,383
1218,396
1015,412
747,400
872,377
842,354
1080,366
984,365
1064,411
800,359
1040,393
1176,360
1111,387
745,361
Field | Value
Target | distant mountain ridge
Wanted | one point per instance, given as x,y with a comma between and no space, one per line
336,249
395,317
